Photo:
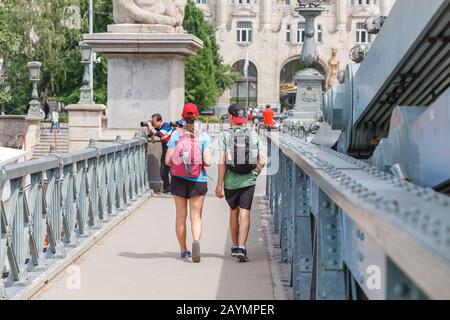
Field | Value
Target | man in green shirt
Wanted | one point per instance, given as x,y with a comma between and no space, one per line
239,181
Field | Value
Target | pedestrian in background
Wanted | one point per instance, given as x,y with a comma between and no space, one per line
55,121
163,130
268,118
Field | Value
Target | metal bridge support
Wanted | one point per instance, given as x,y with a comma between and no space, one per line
330,278
302,258
20,224
38,215
399,286
54,219
287,212
69,205
81,193
277,196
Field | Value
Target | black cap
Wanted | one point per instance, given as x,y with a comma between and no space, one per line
236,110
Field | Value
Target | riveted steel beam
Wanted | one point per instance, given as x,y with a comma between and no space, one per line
409,223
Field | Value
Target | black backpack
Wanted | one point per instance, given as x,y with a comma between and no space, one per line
242,153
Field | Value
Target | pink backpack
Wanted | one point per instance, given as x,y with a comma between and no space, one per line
187,158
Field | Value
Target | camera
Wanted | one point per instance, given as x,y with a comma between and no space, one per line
144,123
178,124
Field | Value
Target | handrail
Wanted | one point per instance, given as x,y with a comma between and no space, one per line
68,198
406,225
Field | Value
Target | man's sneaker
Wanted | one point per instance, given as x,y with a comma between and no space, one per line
186,254
234,251
196,251
242,255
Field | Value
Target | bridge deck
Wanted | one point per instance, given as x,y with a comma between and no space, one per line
140,259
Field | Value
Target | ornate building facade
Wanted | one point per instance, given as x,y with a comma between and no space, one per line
271,33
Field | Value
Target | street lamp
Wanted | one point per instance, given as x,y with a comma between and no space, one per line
91,31
309,79
2,80
34,68
86,91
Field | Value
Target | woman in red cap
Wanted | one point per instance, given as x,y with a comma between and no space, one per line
188,154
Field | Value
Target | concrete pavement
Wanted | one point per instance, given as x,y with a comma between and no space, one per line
140,259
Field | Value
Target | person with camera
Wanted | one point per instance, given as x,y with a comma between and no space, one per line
241,161
188,154
162,130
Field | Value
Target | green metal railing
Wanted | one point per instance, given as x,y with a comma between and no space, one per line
348,230
59,200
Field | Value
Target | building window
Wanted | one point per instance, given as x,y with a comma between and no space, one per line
245,87
363,2
319,33
288,87
288,33
362,36
244,32
240,2
200,1
287,2
301,32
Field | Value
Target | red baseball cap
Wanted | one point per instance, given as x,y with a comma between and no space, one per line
190,110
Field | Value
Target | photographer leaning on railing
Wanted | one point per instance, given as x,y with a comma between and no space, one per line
157,128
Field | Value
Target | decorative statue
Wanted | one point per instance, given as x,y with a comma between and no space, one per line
157,12
341,76
333,65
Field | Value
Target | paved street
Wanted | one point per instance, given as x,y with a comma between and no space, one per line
140,259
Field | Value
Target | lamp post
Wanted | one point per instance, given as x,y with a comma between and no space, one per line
2,80
91,30
309,80
86,89
310,10
34,68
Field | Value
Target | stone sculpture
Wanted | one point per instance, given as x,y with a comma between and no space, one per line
150,12
333,65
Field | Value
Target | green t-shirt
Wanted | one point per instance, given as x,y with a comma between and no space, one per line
233,180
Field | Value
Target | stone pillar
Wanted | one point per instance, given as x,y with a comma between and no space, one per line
145,76
386,6
221,14
85,122
266,14
33,135
341,15
145,73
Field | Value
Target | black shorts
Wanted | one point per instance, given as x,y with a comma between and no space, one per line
187,189
241,198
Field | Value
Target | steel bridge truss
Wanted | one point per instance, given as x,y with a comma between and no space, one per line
349,230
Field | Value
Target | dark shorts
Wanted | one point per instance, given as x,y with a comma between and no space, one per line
187,189
241,198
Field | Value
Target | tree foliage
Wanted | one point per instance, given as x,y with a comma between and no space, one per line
34,30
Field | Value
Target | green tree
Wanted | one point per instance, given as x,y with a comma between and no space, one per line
207,76
40,35
34,30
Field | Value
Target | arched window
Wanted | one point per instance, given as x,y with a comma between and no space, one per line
288,88
245,87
